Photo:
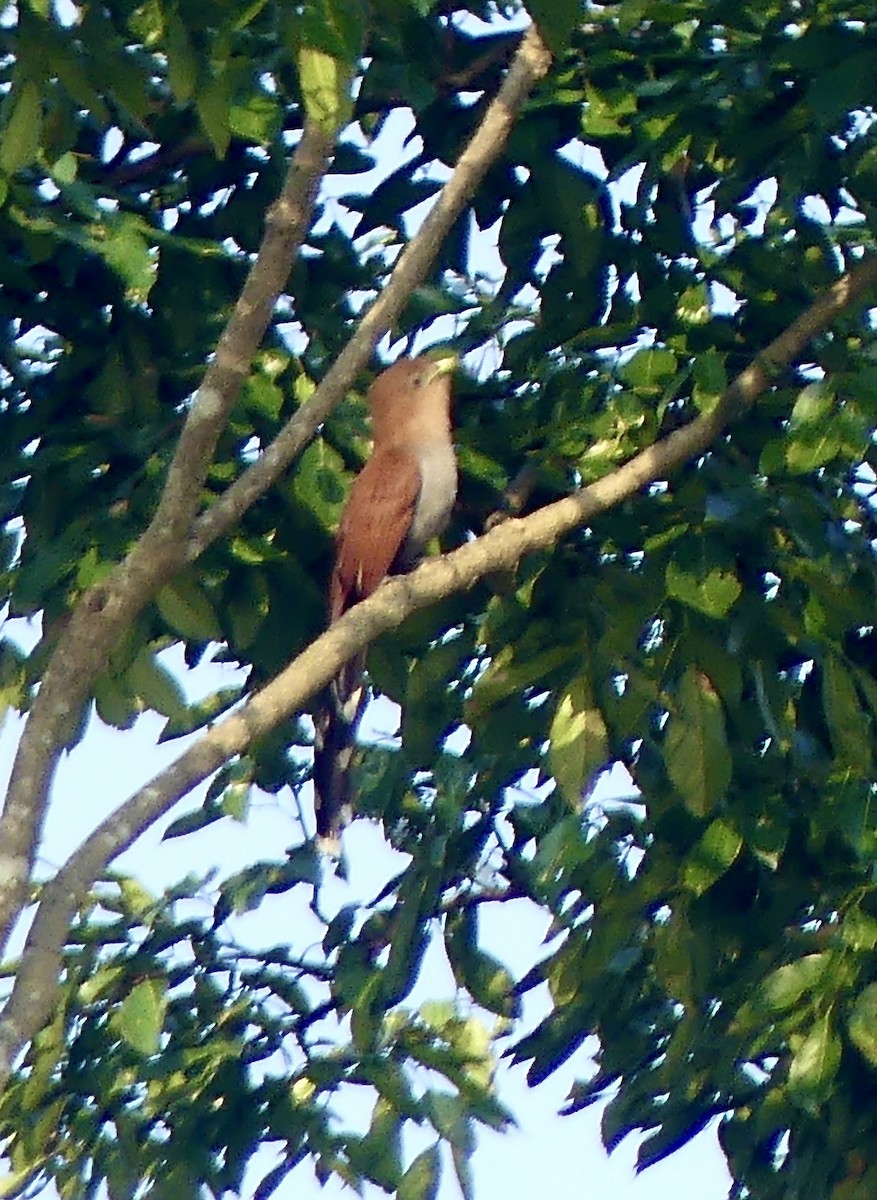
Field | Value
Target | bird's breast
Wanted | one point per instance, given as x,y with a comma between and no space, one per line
438,490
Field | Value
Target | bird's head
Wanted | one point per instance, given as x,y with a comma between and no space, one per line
413,382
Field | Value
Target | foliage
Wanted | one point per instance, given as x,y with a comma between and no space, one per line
167,1063
714,634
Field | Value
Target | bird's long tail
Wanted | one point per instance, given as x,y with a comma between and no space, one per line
336,723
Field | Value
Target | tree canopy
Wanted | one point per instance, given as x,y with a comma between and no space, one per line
661,557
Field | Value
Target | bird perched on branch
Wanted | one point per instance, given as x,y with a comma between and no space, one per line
401,499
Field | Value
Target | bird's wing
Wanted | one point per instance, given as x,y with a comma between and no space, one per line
374,526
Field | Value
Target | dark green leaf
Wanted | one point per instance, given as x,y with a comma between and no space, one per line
20,137
184,605
843,711
696,747
556,20
421,1180
711,857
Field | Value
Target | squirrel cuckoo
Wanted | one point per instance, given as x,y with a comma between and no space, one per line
400,500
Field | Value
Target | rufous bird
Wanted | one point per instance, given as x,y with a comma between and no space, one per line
400,500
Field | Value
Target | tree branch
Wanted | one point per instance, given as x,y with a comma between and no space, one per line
530,63
500,549
106,610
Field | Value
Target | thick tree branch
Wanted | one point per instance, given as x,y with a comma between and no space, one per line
501,549
108,608
530,63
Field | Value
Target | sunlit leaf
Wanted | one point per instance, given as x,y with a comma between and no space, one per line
815,1060
141,1015
787,984
712,594
862,1023
578,740
325,85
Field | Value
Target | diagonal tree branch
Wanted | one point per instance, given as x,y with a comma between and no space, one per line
530,64
108,608
501,549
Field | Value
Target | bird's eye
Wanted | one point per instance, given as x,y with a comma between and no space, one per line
417,380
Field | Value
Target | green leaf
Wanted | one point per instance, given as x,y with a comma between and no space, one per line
421,1180
814,435
194,716
65,168
366,1014
578,743
711,857
696,748
377,1154
859,930
649,371
184,605
214,105
785,986
181,59
417,898
813,406
248,605
556,20
114,702
137,900
102,983
430,703
325,86
815,1060
156,686
124,245
318,482
389,1079
844,714
695,309
710,380
336,27
141,1015
235,801
484,977
518,665
862,1024
21,136
713,594
257,121
450,1118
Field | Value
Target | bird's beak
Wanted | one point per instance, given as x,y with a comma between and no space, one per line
446,365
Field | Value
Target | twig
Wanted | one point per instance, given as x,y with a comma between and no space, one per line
515,496
501,549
